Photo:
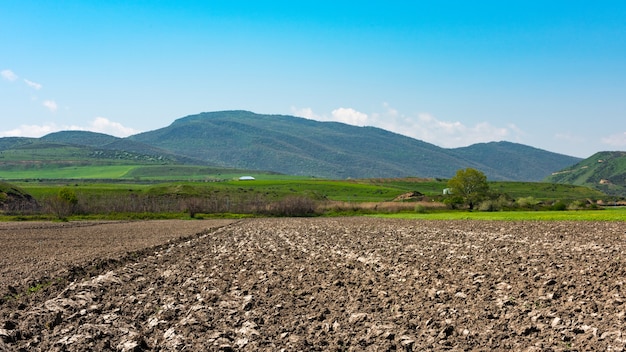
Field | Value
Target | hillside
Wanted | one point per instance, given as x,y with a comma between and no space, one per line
299,146
13,198
515,161
604,171
283,144
84,138
80,148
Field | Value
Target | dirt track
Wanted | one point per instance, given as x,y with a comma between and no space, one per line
341,284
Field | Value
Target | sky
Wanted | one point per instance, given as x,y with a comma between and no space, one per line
549,74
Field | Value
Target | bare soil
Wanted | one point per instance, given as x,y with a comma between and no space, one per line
314,284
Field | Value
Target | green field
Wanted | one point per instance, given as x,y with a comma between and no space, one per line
378,189
68,172
171,190
272,188
199,180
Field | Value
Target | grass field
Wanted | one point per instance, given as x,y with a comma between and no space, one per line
168,191
111,179
68,172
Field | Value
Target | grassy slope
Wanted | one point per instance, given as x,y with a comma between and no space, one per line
516,161
297,146
276,186
604,171
165,173
86,138
291,145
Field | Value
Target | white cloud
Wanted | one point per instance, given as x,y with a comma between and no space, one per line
350,116
422,126
8,75
390,111
615,140
30,131
307,113
451,134
104,125
35,85
51,105
345,115
99,124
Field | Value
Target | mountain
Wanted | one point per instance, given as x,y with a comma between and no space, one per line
299,146
285,144
604,171
105,146
86,138
515,161
81,147
15,142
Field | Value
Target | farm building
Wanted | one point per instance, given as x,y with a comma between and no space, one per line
246,178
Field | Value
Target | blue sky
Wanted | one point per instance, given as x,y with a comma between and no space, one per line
550,74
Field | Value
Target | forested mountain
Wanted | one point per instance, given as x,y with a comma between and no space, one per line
515,161
292,145
300,146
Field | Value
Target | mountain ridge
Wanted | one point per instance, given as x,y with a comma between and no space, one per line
298,146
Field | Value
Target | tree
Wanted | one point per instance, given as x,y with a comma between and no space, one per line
64,203
470,185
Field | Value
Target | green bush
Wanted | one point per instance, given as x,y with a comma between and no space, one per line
63,204
454,202
527,202
68,196
559,206
489,205
420,209
577,205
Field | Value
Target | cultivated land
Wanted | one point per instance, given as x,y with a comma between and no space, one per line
317,284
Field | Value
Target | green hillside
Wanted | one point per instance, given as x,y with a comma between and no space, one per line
103,146
298,146
604,171
290,145
41,158
83,138
516,161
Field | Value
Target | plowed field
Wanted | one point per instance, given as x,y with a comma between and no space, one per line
314,284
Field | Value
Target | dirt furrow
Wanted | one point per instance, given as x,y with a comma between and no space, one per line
348,284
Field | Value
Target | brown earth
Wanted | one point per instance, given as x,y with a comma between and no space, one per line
323,284
37,252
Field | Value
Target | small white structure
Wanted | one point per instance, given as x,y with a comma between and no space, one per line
246,178
447,191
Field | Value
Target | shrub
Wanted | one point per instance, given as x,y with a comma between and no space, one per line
68,196
577,205
559,205
527,202
489,205
63,204
420,209
453,202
